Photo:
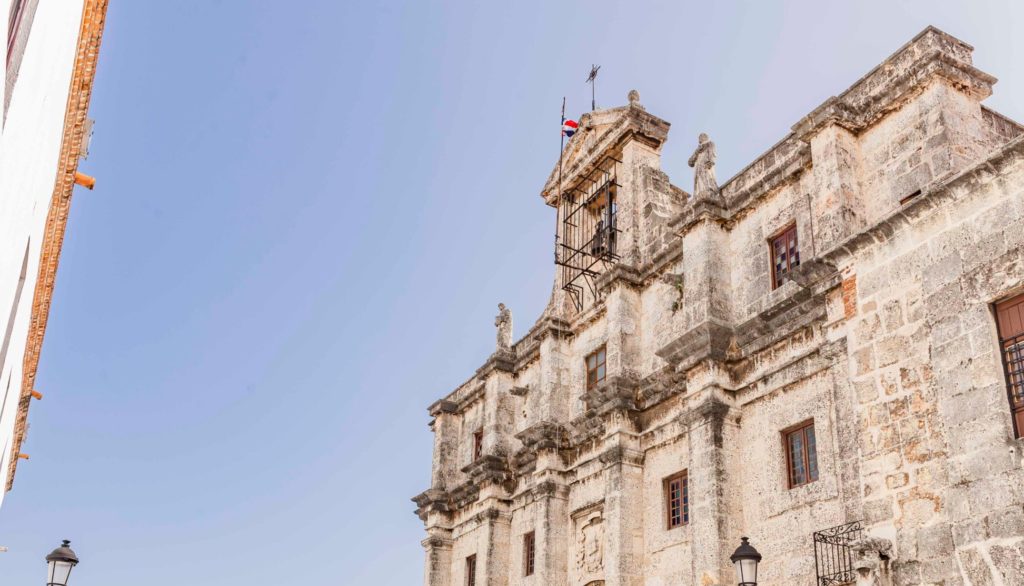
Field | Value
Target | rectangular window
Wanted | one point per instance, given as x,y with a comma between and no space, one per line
471,570
801,454
785,256
1010,321
478,444
677,500
595,368
529,551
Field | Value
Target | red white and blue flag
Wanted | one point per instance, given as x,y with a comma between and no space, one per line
569,127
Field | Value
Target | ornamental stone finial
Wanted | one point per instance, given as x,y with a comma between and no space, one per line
503,322
634,97
705,186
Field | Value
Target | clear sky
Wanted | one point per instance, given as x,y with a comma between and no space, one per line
306,214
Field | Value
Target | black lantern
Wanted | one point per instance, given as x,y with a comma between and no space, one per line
59,564
746,558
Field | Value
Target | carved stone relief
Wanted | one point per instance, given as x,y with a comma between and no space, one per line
590,545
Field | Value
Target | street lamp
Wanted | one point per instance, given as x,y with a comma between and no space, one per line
59,564
746,558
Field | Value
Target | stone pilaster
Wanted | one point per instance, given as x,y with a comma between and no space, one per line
714,494
623,504
495,569
706,251
552,560
837,210
438,568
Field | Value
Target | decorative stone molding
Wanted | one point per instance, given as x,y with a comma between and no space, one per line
490,469
710,409
432,500
602,131
546,435
501,361
709,339
443,406
621,455
872,556
615,393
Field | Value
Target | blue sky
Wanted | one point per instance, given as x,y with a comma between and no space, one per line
306,214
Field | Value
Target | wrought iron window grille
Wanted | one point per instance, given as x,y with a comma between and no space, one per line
588,237
1013,362
833,553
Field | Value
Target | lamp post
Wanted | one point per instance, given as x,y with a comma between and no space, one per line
746,558
59,564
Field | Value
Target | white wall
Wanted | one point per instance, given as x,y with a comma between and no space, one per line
29,148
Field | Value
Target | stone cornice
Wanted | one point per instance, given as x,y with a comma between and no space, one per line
939,191
502,361
709,339
432,500
710,409
614,393
932,54
546,435
489,469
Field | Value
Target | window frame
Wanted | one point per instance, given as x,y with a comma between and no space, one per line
783,233
600,357
529,553
471,570
1011,342
478,444
801,428
684,500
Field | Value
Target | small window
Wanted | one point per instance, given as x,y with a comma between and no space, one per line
801,454
677,500
529,552
471,570
478,444
1010,321
785,256
595,368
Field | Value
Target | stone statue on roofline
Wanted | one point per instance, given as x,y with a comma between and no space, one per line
503,321
705,186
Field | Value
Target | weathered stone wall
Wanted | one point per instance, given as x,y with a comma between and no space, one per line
884,338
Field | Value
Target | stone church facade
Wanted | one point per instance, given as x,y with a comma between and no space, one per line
824,354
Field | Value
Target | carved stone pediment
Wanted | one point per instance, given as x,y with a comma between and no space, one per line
600,132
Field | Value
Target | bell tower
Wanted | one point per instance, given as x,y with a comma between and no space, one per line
607,179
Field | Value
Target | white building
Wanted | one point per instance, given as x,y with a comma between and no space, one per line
49,64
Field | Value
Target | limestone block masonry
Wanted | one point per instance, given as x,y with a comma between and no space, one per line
853,421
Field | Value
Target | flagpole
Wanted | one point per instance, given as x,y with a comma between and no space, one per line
558,204
561,147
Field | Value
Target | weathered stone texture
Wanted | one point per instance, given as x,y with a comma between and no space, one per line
908,201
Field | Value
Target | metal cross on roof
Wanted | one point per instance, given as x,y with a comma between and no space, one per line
592,79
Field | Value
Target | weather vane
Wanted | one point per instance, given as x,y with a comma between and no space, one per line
592,79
